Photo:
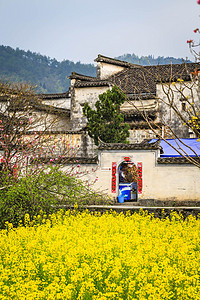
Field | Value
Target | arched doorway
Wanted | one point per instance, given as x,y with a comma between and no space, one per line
127,175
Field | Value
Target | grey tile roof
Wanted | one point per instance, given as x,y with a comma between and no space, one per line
143,79
82,77
135,113
69,160
113,61
92,83
54,96
175,160
138,82
145,145
59,132
141,96
144,125
37,105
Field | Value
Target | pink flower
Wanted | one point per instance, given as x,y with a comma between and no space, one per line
198,1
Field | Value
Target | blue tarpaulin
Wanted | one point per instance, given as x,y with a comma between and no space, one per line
183,146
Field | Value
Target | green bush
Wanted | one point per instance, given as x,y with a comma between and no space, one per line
45,191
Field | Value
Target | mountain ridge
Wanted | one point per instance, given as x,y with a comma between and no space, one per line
50,75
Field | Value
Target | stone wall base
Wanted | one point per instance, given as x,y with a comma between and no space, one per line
170,203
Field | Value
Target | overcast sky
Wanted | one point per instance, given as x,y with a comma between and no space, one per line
79,30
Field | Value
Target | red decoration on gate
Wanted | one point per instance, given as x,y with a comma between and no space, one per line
139,179
127,158
114,178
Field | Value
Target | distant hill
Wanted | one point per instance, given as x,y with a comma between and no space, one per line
48,74
51,76
150,60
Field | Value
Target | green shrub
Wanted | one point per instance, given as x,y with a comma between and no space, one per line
45,191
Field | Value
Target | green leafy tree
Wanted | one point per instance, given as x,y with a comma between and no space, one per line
46,191
106,123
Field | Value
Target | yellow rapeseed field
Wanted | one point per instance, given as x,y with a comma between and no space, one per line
80,255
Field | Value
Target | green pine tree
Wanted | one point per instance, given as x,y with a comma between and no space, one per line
106,123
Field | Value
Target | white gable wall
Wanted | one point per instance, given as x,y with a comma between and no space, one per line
105,70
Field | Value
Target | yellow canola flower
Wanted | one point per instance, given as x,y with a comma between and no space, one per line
87,256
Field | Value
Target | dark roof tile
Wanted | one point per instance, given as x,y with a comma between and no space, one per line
143,79
144,125
113,61
81,77
135,113
51,132
92,83
68,160
175,160
145,145
54,96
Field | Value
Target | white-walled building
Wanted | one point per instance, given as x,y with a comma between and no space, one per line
156,177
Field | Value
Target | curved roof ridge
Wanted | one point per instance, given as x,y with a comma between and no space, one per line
79,76
114,61
54,95
92,83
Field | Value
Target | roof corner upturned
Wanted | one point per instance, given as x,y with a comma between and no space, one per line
113,61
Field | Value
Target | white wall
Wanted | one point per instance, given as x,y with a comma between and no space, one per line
61,102
160,182
172,92
81,96
105,70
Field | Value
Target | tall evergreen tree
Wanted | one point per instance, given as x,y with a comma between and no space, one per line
106,123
